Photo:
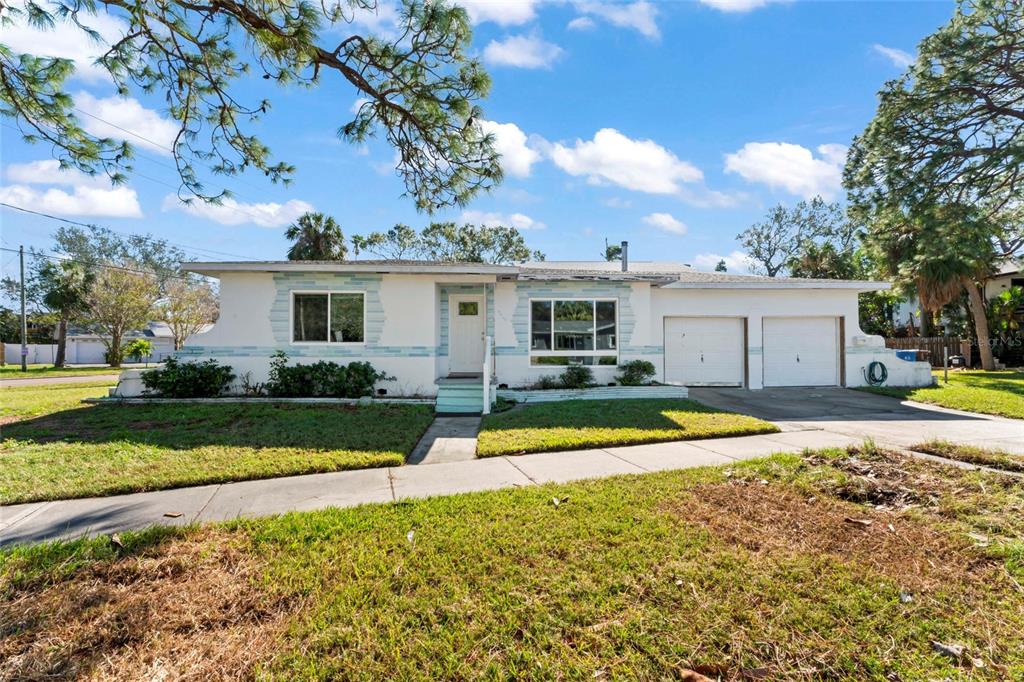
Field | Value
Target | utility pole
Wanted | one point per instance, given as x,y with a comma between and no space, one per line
24,321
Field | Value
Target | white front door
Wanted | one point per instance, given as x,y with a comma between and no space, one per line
801,351
704,351
467,329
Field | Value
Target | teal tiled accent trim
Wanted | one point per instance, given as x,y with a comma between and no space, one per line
754,350
287,282
311,351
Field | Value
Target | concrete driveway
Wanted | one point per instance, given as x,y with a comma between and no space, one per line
866,415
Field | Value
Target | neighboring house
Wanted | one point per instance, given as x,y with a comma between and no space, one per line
87,348
1009,274
422,322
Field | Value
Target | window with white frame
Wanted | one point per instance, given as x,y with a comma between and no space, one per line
334,317
573,332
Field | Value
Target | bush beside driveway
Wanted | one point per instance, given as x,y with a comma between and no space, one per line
581,424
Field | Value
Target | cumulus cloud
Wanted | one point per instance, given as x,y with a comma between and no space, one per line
898,57
88,196
125,118
522,51
640,16
665,222
737,5
581,24
516,155
67,41
640,165
736,262
520,221
502,12
232,212
790,167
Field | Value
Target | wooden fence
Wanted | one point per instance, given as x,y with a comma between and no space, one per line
934,346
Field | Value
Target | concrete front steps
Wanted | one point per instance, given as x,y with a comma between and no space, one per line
458,395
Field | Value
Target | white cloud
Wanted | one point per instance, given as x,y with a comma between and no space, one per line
502,12
358,104
640,16
665,222
898,57
381,18
737,5
511,142
523,51
581,24
616,202
520,221
232,212
89,196
790,167
121,114
736,262
640,165
67,41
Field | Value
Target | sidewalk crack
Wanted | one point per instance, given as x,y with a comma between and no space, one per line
207,503
623,459
528,476
391,484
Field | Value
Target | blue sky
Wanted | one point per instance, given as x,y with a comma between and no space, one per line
674,125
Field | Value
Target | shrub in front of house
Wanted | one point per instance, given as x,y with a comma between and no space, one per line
548,382
177,379
577,376
321,379
636,373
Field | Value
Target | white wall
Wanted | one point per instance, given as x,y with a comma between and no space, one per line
861,349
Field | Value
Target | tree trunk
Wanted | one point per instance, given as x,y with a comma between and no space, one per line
977,306
62,341
927,322
115,350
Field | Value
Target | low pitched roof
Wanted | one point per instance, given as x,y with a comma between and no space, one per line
666,275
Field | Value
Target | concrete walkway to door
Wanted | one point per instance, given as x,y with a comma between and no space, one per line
449,439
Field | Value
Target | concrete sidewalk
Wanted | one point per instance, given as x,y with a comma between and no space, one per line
12,382
64,519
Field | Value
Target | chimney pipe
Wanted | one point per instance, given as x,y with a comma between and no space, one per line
625,256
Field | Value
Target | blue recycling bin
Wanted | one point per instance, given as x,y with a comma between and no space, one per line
908,355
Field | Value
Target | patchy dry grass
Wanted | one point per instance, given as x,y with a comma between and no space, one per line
997,459
581,424
842,565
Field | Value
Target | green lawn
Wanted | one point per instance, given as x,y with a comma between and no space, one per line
13,371
784,568
24,402
999,393
997,459
109,449
579,424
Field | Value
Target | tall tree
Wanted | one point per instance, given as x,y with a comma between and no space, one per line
951,129
449,242
612,252
316,237
721,266
940,253
773,243
187,306
65,289
417,84
120,300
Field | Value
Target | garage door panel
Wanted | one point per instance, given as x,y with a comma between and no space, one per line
704,351
801,351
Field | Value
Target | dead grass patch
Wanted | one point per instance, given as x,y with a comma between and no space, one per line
193,609
777,521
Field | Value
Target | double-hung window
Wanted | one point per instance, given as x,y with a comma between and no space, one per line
335,317
573,332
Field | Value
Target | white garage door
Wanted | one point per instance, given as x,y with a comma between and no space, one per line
704,351
801,351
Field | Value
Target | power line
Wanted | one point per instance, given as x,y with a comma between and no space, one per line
150,239
69,259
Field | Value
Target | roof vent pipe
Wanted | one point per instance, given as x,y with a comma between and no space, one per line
625,256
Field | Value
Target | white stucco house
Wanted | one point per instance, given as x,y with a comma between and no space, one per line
424,322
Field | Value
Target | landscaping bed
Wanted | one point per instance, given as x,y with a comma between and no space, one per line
1000,393
835,565
111,449
581,424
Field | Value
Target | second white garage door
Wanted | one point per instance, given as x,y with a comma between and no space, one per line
801,351
704,351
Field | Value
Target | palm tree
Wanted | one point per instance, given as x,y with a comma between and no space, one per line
316,237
